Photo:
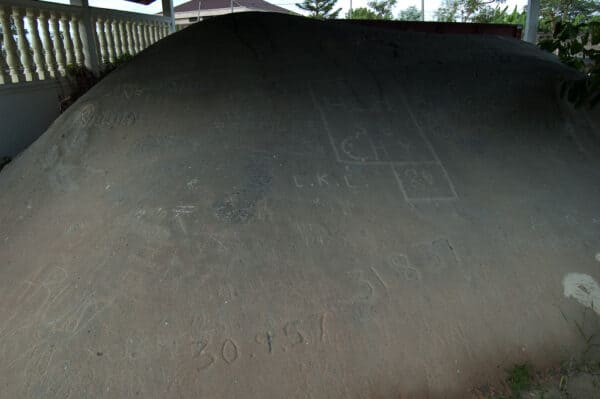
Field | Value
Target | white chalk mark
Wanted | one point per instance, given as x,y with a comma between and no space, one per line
181,223
322,179
584,289
192,184
212,237
184,209
296,182
379,277
348,182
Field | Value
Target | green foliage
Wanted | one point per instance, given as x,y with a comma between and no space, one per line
361,13
412,13
321,9
498,15
464,10
448,12
568,10
520,378
576,45
382,8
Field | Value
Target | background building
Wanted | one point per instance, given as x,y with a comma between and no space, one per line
197,10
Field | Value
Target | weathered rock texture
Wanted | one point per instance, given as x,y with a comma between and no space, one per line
266,206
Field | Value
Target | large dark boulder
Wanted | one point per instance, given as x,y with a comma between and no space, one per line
267,206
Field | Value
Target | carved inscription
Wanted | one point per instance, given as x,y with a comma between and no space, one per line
286,338
392,138
424,182
324,180
89,115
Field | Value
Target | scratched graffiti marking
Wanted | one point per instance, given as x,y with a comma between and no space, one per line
436,256
320,179
427,182
402,266
294,334
89,116
229,351
205,360
391,138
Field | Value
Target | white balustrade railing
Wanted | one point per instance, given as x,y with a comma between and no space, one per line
40,40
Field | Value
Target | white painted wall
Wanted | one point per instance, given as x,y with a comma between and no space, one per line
26,111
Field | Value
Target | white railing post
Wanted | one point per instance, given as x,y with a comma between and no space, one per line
146,27
24,47
110,43
58,44
87,32
102,40
48,46
4,77
123,32
140,30
77,40
134,37
117,38
153,33
38,51
129,36
16,74
67,41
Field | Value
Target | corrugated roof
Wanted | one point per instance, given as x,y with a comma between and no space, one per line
259,5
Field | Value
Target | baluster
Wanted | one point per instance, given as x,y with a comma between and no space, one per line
130,48
4,77
155,30
48,46
141,40
160,31
150,32
77,40
138,33
117,39
165,30
67,41
38,51
12,59
23,43
110,42
102,41
147,34
136,37
124,47
58,44
133,37
141,35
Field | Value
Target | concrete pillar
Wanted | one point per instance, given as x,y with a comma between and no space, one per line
532,20
87,32
167,6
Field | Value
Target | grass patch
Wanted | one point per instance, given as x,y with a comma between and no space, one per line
520,378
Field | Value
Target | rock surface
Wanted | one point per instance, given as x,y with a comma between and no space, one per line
266,206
